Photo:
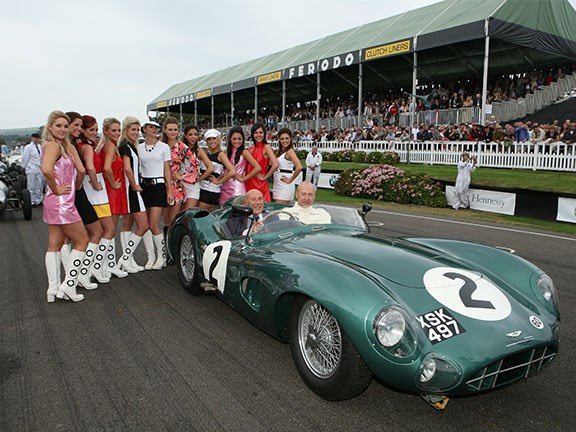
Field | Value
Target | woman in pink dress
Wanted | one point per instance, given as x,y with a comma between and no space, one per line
64,173
239,156
264,155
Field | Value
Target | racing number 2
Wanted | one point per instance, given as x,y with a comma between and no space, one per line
467,290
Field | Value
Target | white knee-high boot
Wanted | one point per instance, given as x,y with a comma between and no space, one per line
68,287
161,248
148,241
125,262
112,268
84,276
99,264
65,256
124,236
52,261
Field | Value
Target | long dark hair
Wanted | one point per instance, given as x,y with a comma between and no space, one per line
254,128
280,148
230,147
185,140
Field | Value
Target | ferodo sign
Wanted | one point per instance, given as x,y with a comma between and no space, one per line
321,65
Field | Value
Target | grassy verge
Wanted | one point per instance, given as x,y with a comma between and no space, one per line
328,196
545,181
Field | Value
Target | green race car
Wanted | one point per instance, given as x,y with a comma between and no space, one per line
430,316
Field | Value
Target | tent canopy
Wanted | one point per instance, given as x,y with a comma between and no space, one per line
448,37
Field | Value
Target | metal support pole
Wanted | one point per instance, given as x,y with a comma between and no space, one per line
283,102
414,84
482,118
256,104
196,113
318,97
231,108
181,118
212,111
359,95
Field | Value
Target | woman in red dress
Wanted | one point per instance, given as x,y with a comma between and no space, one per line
264,155
113,170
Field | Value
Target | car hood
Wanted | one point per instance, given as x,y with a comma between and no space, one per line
397,260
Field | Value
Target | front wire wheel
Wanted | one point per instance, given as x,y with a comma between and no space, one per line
323,354
320,339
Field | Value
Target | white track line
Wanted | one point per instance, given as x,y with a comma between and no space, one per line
477,225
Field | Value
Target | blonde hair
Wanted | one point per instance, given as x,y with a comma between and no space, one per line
47,135
126,123
108,121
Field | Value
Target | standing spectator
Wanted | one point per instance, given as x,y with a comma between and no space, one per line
4,153
154,159
313,166
63,172
264,155
239,156
32,163
466,165
289,167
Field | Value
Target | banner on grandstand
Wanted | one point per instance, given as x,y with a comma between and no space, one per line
486,200
388,50
321,65
566,210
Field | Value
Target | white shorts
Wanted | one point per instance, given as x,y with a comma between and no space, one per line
192,190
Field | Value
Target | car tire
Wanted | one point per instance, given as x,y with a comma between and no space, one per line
187,263
323,354
18,188
23,182
26,204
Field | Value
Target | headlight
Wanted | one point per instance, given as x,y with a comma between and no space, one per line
546,287
390,327
438,373
393,331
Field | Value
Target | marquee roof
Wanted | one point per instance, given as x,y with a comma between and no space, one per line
537,31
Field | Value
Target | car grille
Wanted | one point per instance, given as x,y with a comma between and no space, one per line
511,369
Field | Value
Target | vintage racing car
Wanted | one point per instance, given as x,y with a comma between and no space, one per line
13,192
430,316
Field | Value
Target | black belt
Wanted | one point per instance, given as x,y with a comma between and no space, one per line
286,171
153,180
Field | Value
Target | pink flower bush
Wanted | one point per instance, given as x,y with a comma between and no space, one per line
390,183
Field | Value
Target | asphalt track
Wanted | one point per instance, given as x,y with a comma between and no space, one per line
140,354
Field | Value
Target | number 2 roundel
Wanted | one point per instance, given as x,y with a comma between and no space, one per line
467,293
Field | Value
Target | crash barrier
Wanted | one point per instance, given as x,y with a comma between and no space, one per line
556,156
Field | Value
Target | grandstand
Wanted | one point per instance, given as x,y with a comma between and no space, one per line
411,58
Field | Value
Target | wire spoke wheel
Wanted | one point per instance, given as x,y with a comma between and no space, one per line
320,339
187,258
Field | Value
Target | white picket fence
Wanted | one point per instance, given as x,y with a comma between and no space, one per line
555,157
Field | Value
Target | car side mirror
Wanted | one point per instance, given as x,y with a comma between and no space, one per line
366,207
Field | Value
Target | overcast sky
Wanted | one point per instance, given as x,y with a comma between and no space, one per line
113,57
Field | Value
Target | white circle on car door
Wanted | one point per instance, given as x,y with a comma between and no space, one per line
467,293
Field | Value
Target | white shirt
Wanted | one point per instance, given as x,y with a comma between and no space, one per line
32,157
152,159
310,215
314,160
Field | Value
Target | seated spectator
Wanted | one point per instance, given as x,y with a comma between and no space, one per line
304,208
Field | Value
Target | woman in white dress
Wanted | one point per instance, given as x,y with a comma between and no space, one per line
289,167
